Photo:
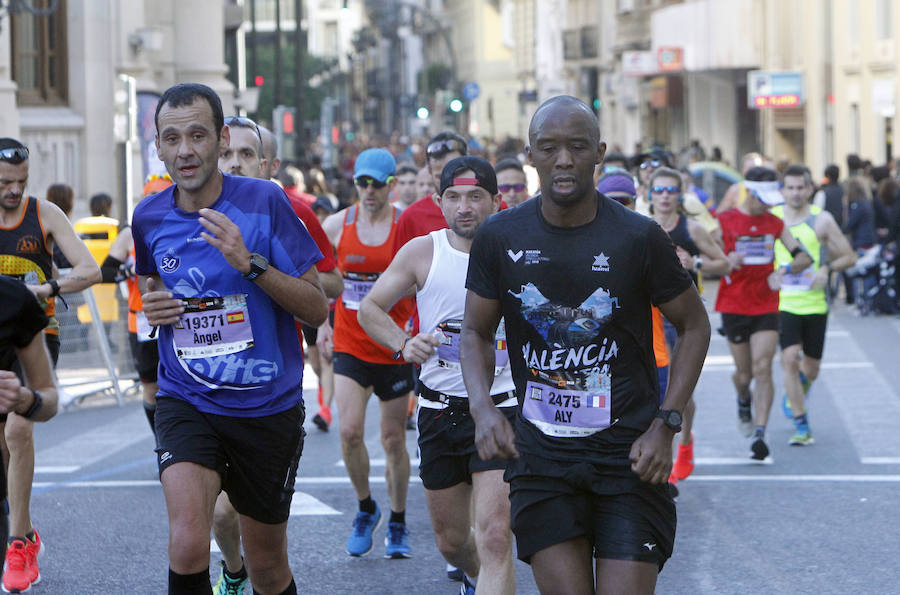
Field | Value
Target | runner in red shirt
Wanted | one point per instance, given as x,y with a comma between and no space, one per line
748,298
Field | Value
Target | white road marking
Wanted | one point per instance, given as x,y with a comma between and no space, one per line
880,460
739,461
89,447
379,463
56,468
695,478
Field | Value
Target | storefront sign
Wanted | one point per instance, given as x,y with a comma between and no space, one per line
776,89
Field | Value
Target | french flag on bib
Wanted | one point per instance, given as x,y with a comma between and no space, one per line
596,401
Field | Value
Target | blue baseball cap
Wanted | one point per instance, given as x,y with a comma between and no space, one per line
378,164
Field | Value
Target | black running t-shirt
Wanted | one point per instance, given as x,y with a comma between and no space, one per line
576,302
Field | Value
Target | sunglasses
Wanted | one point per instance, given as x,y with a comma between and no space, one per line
669,189
366,181
244,123
654,163
508,187
440,148
14,155
622,199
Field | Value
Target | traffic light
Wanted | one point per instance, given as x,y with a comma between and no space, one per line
422,113
456,105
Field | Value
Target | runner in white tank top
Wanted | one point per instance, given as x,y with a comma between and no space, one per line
455,477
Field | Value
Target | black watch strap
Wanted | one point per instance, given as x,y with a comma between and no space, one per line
54,287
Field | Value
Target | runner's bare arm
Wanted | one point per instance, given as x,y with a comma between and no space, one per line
85,271
840,253
301,296
802,260
651,454
333,227
39,377
714,260
404,275
494,436
332,283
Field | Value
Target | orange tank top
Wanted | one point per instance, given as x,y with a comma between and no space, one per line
660,350
361,265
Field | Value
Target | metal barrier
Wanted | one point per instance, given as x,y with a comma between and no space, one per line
95,357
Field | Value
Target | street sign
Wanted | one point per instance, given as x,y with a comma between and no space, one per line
471,91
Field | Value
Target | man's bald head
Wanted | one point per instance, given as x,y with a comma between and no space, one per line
564,104
270,152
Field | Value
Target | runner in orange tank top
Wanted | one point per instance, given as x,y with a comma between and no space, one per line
363,236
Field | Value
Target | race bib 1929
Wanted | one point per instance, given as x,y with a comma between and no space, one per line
356,287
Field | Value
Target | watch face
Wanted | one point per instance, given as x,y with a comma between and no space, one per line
674,418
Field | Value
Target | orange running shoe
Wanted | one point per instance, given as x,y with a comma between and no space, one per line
684,462
36,550
17,571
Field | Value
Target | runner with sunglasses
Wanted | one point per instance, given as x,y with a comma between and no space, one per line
363,236
511,181
696,249
29,229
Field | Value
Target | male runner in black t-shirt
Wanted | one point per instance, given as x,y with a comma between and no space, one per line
574,274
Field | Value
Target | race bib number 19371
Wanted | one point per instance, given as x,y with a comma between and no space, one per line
212,326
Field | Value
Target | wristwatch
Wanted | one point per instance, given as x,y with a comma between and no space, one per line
258,266
671,418
698,263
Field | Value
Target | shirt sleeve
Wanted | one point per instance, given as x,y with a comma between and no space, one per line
667,277
293,249
483,275
405,231
143,257
315,230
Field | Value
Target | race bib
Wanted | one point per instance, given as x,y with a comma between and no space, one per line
568,409
143,328
756,249
802,281
449,333
356,287
212,326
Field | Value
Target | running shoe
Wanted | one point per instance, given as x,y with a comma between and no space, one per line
466,588
758,449
684,461
322,419
360,541
802,436
745,419
396,545
35,550
228,585
17,571
454,573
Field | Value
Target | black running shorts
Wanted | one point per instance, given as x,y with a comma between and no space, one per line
389,381
146,357
447,450
807,330
310,334
256,457
739,327
622,517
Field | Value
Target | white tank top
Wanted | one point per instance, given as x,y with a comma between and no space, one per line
441,304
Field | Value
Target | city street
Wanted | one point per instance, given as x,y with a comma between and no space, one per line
819,519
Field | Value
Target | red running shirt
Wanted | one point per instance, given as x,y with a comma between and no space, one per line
746,290
360,265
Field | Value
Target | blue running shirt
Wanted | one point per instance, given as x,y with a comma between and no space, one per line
260,370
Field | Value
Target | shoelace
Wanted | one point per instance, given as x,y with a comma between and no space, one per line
396,534
363,523
234,586
16,558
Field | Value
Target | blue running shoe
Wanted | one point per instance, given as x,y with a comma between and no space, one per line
454,573
395,543
786,407
466,588
360,541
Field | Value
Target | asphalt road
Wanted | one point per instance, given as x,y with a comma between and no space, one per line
818,519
